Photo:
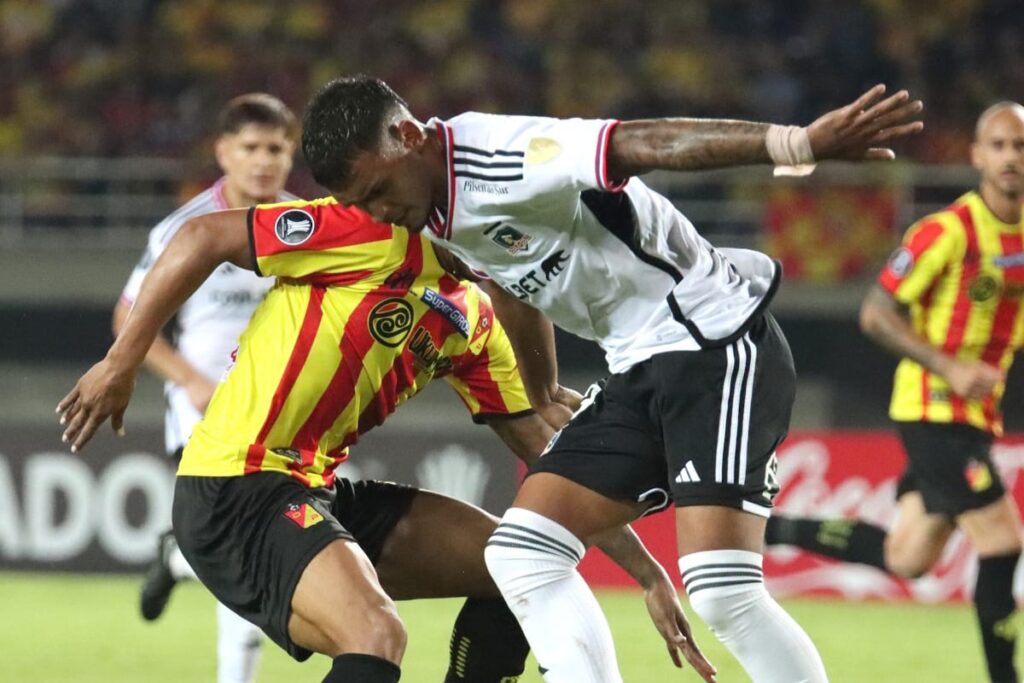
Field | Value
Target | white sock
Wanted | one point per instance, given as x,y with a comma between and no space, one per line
239,644
726,588
533,561
179,566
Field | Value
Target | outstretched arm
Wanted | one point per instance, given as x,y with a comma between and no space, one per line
884,319
200,246
857,131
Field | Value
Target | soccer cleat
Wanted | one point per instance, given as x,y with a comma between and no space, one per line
159,581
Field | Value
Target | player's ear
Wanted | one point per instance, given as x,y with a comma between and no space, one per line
220,151
976,160
409,133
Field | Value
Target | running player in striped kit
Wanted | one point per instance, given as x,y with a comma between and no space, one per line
703,380
949,304
255,146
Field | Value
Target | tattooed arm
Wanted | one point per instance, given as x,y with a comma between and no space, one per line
851,132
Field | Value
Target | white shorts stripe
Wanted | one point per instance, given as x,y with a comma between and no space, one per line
724,412
734,418
748,395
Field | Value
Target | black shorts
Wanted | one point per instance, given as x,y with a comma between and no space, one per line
950,465
250,538
695,427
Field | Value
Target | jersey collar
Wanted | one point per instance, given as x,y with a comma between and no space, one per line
440,220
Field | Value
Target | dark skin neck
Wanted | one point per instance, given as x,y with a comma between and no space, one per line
1005,206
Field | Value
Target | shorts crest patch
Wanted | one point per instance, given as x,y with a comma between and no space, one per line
978,476
304,515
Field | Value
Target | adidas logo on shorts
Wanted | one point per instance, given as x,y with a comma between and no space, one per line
687,475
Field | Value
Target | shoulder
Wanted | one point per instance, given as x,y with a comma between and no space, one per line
202,203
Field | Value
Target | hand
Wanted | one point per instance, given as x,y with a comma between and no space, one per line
570,398
102,392
856,131
973,380
667,614
200,391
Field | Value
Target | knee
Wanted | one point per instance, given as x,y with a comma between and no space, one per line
375,630
904,563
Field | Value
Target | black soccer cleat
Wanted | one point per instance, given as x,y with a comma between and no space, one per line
159,582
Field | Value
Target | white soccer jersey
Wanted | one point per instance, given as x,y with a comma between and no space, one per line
531,207
208,324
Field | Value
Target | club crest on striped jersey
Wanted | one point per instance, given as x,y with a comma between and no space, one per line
304,515
448,309
294,226
389,321
983,288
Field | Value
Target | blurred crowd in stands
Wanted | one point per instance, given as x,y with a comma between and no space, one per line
143,77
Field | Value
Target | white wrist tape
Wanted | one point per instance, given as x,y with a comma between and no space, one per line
790,149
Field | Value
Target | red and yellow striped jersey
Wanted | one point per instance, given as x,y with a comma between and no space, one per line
961,272
362,316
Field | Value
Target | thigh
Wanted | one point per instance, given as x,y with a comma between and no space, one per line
951,466
250,538
330,603
723,412
437,550
610,446
993,529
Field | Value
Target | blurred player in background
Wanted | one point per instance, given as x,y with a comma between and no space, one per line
255,147
362,317
949,303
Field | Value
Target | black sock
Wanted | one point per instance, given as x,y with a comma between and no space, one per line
995,605
487,644
358,668
842,539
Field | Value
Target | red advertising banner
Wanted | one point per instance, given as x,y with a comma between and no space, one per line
838,474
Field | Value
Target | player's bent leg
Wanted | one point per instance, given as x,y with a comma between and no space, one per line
340,609
994,531
917,538
846,540
436,549
720,562
238,647
533,555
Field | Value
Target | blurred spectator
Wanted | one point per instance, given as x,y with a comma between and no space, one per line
136,76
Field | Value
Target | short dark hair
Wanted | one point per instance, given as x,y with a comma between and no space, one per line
346,117
258,108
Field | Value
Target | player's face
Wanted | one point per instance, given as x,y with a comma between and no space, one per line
400,184
256,161
999,153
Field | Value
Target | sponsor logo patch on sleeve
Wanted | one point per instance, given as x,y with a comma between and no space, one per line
901,261
294,226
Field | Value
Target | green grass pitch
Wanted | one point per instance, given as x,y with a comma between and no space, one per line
75,629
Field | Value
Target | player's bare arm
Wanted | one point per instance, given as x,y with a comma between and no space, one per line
165,361
858,131
533,340
104,391
886,321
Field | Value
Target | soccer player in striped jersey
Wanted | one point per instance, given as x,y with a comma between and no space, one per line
949,303
362,316
551,210
255,147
